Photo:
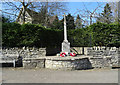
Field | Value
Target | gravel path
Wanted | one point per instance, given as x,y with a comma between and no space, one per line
20,75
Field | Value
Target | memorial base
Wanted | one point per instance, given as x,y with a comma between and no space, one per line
66,47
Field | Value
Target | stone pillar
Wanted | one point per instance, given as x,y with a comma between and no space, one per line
65,29
65,44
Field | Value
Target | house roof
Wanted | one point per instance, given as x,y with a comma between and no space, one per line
34,15
52,18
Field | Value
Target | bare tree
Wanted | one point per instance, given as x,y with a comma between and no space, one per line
53,8
88,15
115,7
13,8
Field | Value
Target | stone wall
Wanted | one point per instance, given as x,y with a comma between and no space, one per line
101,56
68,63
104,56
101,62
24,52
34,62
102,51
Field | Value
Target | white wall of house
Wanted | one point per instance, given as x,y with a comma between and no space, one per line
28,18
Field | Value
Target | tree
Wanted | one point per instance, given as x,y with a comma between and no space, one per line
46,9
56,23
78,22
51,9
116,11
106,16
5,20
89,15
70,22
61,23
105,34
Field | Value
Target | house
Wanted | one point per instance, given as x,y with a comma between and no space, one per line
30,17
33,17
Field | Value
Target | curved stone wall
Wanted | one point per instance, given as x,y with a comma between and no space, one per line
68,63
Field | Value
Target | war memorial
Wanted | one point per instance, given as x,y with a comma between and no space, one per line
89,58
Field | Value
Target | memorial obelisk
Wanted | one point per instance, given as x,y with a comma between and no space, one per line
65,43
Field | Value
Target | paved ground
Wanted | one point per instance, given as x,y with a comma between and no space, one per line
20,75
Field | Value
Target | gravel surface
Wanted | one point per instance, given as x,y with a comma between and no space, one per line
21,75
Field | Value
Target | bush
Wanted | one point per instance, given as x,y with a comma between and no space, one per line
97,34
30,35
10,34
105,34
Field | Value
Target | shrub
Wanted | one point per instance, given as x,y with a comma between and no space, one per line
97,34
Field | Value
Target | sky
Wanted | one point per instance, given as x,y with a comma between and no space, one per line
75,7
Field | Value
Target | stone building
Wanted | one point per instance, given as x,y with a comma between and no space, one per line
34,17
30,17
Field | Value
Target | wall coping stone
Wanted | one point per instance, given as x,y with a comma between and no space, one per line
65,58
100,57
34,58
59,58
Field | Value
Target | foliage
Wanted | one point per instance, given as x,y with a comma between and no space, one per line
70,22
97,34
11,36
78,22
56,24
106,16
105,34
5,20
30,35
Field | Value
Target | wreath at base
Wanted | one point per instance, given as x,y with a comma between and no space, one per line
72,54
63,54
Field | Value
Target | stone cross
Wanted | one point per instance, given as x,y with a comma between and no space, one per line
65,44
65,29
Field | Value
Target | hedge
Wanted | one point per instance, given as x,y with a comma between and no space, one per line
97,34
30,35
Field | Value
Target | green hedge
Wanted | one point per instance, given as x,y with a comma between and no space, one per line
105,34
30,35
98,34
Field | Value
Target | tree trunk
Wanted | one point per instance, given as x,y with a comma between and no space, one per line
90,19
23,14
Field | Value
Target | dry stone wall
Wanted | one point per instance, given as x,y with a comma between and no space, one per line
98,57
102,51
24,52
104,56
101,57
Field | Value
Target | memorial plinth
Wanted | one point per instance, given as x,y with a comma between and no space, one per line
65,47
